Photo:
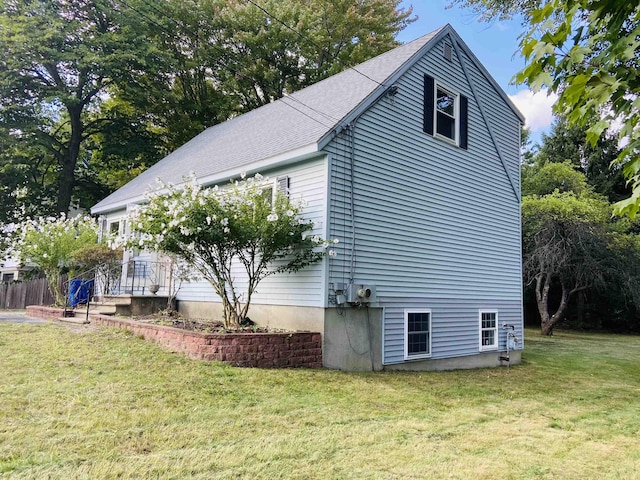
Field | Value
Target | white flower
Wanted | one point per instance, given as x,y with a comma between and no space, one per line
208,220
336,241
224,222
272,217
332,253
226,230
243,174
289,213
44,255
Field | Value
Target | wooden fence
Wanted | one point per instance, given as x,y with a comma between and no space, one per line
17,295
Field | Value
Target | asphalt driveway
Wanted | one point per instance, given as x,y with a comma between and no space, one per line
17,316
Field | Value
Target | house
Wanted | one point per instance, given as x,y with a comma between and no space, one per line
411,161
10,270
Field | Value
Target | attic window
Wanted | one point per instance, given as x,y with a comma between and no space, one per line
447,52
445,113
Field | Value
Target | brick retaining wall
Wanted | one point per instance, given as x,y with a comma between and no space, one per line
295,349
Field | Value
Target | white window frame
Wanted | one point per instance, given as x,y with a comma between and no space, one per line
494,346
275,186
120,221
456,113
408,356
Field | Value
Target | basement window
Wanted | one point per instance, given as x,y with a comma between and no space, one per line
488,330
417,334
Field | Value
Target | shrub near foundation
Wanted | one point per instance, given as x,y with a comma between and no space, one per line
212,229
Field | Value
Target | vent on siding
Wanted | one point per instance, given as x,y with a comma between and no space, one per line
447,53
283,185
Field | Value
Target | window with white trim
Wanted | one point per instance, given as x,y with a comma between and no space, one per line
417,334
488,330
271,189
115,228
446,113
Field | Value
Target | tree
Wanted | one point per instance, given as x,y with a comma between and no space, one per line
564,245
49,244
231,56
546,179
278,47
588,52
568,143
223,231
60,58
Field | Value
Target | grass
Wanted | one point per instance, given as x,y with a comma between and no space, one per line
92,404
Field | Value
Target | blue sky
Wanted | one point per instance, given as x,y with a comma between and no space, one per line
496,46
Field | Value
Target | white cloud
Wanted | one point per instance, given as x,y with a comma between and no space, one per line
536,108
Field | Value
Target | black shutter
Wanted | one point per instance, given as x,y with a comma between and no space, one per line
429,94
464,120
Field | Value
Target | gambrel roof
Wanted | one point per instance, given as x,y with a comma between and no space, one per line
298,125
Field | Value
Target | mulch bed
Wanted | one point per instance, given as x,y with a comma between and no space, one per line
204,326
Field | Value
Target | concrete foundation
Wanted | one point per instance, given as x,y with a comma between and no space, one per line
352,339
275,316
203,310
482,360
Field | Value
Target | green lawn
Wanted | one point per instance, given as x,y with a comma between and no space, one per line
105,404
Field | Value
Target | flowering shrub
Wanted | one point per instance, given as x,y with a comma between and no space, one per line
50,242
217,230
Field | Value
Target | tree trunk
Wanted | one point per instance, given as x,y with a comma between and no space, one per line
542,300
580,307
66,180
548,321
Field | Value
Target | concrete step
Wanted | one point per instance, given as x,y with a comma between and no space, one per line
117,299
128,305
77,320
109,308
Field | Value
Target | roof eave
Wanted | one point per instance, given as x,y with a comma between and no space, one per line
282,159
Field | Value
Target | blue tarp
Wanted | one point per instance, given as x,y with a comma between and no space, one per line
79,291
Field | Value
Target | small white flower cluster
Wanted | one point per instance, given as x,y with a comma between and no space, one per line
48,238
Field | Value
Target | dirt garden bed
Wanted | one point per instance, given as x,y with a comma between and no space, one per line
245,349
